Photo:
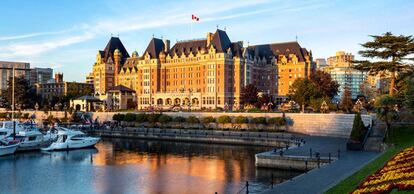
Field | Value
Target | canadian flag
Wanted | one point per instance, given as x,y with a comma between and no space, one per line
194,17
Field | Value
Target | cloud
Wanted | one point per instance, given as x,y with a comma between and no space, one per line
179,15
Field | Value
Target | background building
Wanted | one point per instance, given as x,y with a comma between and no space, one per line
89,78
40,75
60,88
320,64
6,74
201,73
340,69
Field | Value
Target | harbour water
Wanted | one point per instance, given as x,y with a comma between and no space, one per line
138,166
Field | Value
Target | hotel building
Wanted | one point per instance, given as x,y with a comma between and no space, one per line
203,73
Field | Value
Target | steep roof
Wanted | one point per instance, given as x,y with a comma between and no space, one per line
121,88
113,44
188,46
155,47
276,49
221,41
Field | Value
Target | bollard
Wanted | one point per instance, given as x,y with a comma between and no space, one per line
271,178
339,153
215,193
319,162
287,146
247,187
310,152
329,157
306,166
281,152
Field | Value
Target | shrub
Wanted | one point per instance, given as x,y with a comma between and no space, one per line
224,119
164,119
117,117
141,117
192,119
179,119
259,120
279,121
153,118
129,117
208,119
358,129
241,120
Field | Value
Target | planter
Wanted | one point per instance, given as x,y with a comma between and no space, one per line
354,146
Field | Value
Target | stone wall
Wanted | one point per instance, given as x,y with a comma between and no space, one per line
334,125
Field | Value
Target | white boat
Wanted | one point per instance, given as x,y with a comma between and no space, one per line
8,147
71,139
32,140
6,128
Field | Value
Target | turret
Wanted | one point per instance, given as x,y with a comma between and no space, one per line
117,60
134,54
209,38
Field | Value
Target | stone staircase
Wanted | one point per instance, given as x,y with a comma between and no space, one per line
375,141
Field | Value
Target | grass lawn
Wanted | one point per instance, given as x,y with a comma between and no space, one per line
401,137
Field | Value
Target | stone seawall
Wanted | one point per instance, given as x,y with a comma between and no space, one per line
333,125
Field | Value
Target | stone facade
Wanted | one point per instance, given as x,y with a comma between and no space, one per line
203,73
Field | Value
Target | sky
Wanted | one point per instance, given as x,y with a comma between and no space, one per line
67,34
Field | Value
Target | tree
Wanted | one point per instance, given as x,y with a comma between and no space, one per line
346,101
324,84
249,95
386,111
390,53
24,94
406,93
302,91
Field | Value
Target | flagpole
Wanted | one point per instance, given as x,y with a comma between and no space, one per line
191,29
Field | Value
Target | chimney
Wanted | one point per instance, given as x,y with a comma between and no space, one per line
209,38
166,45
58,77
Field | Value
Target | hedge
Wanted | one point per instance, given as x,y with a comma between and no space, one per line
208,119
118,117
165,119
259,120
241,120
192,119
179,119
142,117
130,117
224,119
279,121
153,118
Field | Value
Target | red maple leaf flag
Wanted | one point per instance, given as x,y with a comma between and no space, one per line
194,17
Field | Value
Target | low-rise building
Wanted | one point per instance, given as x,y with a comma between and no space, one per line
86,103
120,97
58,88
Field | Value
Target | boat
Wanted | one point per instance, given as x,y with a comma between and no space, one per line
8,147
6,128
71,139
32,140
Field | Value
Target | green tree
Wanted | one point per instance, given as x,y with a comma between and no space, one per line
302,91
224,119
346,101
386,111
24,94
408,99
389,53
324,84
358,129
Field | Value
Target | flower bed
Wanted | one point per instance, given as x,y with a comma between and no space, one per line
398,173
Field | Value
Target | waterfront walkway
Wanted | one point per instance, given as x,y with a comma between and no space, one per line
321,179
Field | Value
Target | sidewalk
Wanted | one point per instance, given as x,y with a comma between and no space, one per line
320,180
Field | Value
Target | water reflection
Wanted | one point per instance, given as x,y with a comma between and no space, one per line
138,166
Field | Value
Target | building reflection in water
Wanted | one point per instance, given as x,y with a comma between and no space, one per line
172,167
138,166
